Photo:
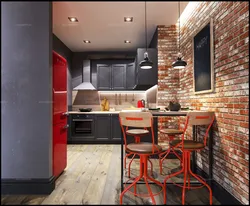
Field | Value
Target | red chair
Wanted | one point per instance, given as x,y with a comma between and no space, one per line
187,146
143,149
170,135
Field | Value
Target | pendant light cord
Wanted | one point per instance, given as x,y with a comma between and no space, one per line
179,28
146,27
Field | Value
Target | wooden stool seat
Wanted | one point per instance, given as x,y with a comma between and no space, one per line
137,132
171,131
188,144
143,148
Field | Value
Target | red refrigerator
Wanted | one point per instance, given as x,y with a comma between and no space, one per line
59,114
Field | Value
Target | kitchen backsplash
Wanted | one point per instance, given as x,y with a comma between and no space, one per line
92,99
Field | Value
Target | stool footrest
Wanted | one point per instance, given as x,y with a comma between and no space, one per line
138,194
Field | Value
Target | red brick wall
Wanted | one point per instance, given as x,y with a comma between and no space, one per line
230,100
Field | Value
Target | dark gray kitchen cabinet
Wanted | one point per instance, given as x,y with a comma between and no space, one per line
115,128
107,128
118,76
130,76
146,78
104,76
103,127
110,74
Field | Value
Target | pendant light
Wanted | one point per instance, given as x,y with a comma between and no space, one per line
179,63
146,63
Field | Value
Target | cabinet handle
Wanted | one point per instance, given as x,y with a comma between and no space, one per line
66,126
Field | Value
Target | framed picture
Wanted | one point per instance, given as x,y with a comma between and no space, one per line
203,60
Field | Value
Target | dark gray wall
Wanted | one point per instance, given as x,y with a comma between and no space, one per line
154,40
63,50
26,90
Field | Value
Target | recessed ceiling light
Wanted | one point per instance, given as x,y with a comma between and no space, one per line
86,41
127,41
128,19
73,19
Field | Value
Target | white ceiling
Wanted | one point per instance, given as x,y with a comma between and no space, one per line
103,23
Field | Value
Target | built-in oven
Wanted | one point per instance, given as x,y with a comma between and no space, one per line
82,126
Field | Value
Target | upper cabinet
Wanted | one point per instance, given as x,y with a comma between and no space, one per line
118,80
103,76
130,76
146,78
113,74
125,74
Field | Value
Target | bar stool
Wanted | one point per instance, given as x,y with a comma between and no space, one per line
137,134
170,135
143,149
187,146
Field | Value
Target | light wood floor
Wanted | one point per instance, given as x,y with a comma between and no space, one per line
93,176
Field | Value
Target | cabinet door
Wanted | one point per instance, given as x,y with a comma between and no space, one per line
130,76
103,76
118,76
115,128
103,127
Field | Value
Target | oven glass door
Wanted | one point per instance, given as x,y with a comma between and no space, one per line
83,127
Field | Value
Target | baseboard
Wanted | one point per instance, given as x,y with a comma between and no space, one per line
222,195
29,186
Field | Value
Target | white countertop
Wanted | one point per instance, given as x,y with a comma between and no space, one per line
94,112
183,112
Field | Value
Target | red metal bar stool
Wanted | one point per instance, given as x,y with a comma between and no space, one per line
143,149
137,134
187,146
170,135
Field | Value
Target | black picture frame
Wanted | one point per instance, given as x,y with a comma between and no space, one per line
203,59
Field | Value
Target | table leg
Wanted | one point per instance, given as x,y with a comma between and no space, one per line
122,172
193,154
210,155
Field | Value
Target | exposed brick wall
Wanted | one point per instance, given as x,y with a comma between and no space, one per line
168,78
230,100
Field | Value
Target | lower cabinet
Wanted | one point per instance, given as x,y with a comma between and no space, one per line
107,128
116,132
103,127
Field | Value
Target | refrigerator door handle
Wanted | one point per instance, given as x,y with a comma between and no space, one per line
65,114
66,126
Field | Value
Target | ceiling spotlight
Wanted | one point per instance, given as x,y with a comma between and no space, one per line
127,41
86,41
128,19
73,19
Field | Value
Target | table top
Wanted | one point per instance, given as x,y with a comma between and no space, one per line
169,113
155,113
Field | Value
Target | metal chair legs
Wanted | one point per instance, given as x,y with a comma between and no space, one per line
186,170
143,174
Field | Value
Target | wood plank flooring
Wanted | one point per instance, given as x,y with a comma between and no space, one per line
92,176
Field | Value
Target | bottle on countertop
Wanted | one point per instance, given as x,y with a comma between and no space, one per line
105,104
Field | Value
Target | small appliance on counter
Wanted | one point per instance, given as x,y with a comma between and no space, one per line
141,103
